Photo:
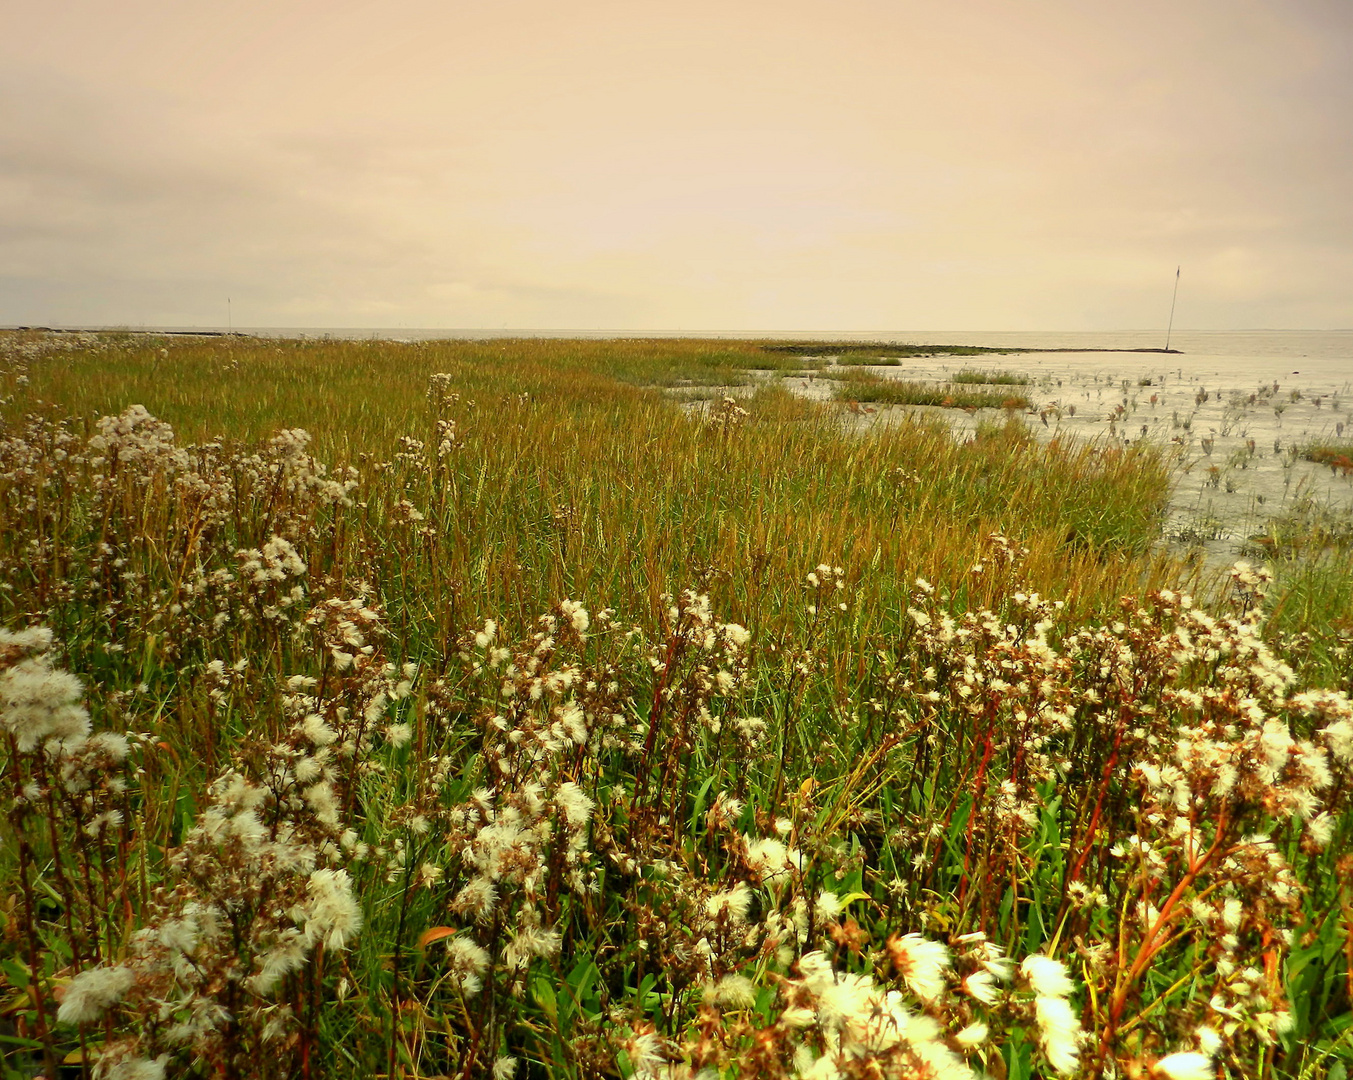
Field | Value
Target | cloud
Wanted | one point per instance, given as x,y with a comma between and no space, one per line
724,166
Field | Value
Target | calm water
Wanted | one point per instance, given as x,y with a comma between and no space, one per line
1323,356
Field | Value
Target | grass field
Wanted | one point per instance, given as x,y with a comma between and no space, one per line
511,719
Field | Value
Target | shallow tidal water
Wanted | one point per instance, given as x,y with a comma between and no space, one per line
1234,411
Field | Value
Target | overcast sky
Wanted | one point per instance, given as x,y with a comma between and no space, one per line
708,165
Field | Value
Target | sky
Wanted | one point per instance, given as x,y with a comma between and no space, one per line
702,165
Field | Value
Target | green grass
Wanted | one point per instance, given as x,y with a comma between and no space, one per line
949,755
1308,528
563,423
1310,548
1313,607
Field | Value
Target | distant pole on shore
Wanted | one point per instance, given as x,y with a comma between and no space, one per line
1170,329
230,318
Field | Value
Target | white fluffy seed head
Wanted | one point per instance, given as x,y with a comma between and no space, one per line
981,984
921,963
139,1069
1047,977
333,915
93,992
1059,1033
732,992
973,1035
1186,1065
38,703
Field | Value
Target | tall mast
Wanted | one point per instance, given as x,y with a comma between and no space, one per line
1170,329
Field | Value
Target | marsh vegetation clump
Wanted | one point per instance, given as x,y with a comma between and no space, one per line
873,388
866,352
1338,456
991,378
453,740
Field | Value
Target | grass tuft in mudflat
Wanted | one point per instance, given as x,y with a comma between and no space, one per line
874,389
854,360
871,352
1337,455
991,378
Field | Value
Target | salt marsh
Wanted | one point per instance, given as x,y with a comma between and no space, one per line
1235,416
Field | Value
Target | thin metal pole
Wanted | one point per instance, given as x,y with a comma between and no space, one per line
1170,329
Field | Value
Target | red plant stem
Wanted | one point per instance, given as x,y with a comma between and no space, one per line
655,715
1148,948
988,750
30,910
1105,777
62,882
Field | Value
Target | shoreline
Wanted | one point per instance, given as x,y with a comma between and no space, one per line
563,335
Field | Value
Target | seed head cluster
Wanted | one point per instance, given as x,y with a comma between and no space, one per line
268,815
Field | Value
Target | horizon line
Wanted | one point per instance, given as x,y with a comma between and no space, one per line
215,329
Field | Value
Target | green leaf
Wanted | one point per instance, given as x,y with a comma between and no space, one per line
698,808
16,973
579,983
543,992
32,1044
765,1003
